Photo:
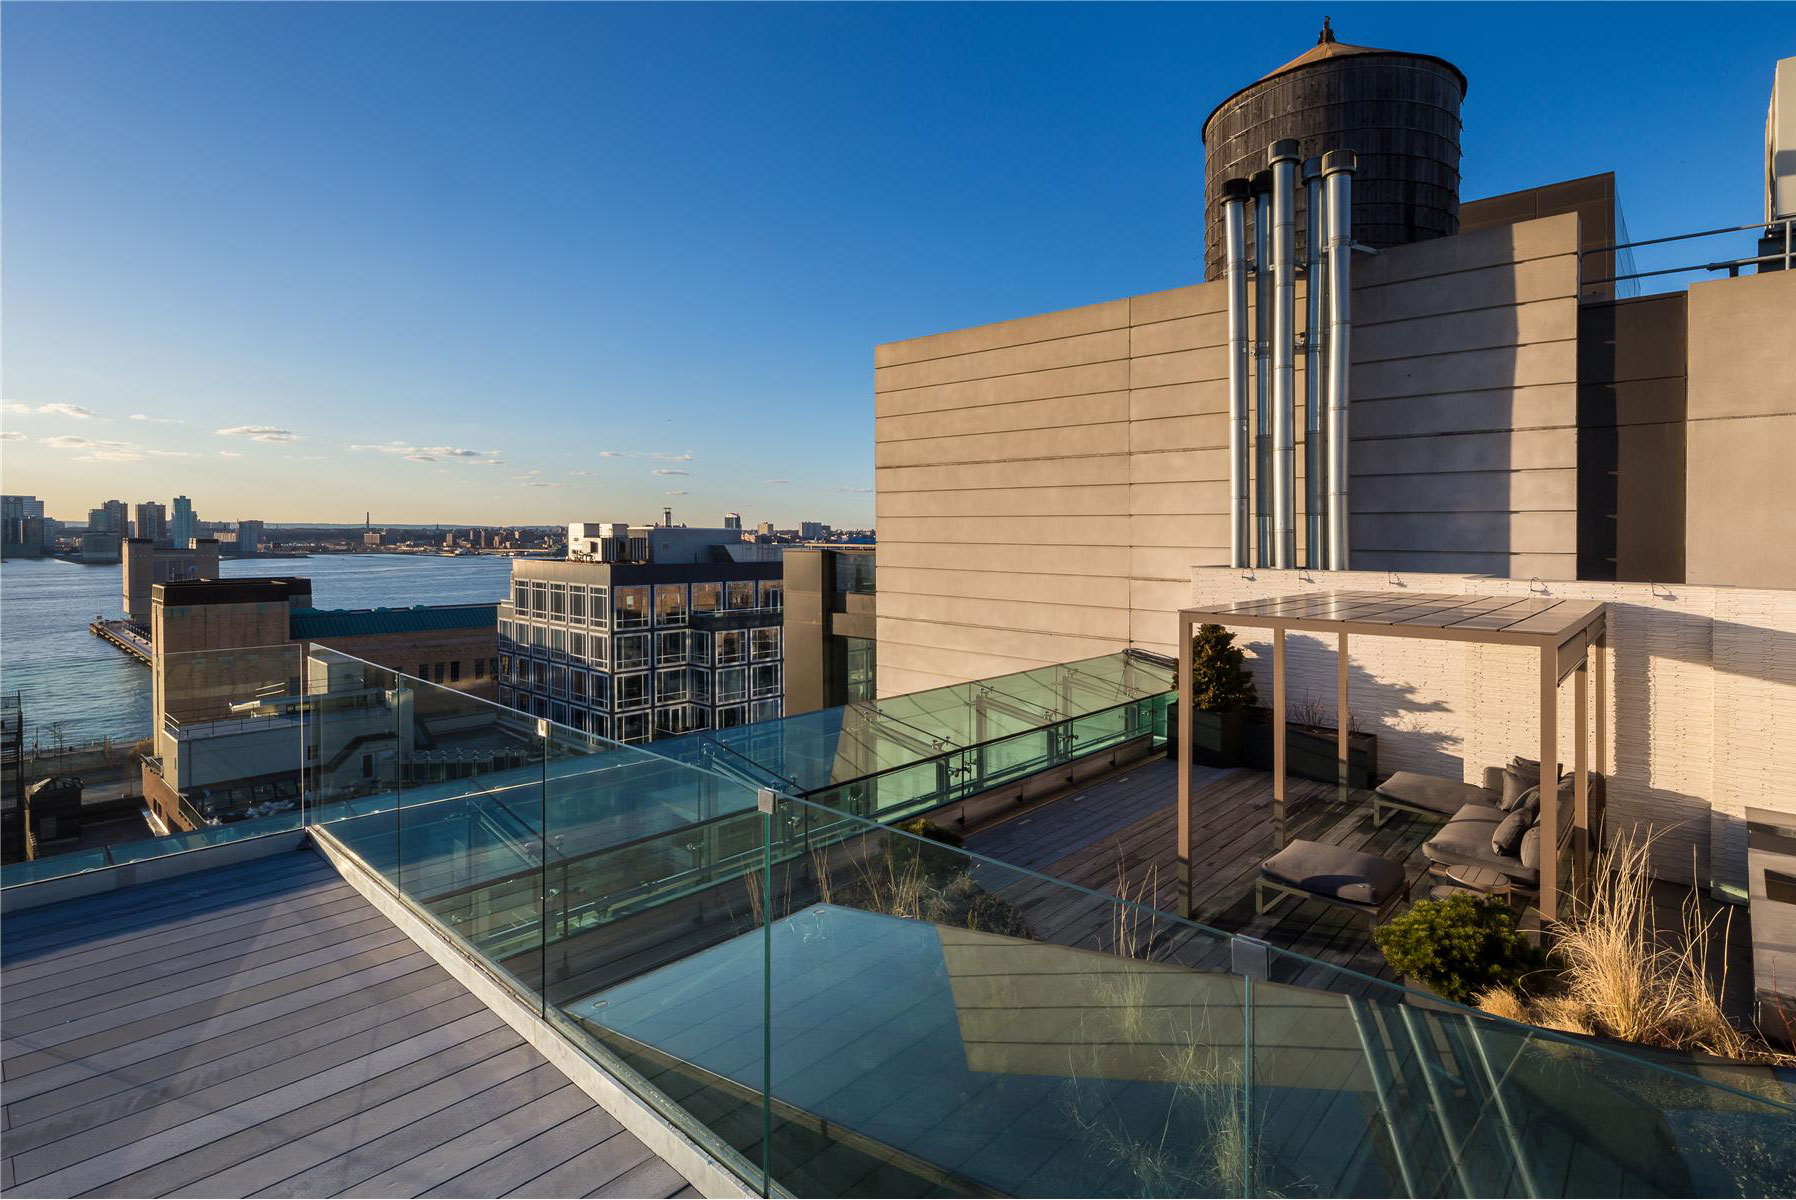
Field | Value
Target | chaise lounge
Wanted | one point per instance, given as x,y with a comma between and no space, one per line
1369,884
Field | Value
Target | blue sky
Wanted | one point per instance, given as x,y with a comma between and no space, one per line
540,263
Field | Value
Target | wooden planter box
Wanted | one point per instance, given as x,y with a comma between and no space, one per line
1310,751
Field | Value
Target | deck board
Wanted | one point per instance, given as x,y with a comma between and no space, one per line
1123,839
262,1028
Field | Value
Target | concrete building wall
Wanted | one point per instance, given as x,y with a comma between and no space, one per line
1046,484
1700,699
1741,511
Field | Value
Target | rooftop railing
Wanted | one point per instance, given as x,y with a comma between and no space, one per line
833,1006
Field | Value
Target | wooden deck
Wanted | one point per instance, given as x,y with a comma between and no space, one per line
1118,836
261,1029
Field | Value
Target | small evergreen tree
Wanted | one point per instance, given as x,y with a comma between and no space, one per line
1220,681
1461,947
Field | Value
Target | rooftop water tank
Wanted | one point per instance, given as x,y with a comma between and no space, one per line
1399,112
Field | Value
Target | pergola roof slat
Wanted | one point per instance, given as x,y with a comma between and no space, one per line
1539,619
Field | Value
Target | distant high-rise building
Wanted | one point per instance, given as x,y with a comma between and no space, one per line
249,537
107,528
812,531
111,517
183,525
27,533
152,522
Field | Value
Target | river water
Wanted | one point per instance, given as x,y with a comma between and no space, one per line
66,675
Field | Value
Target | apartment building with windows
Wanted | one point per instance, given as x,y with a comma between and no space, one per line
653,631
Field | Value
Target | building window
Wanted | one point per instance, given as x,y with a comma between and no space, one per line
862,676
558,714
577,685
455,670
731,685
539,598
632,651
504,668
631,691
670,722
732,715
670,685
601,691
700,646
576,605
596,612
494,661
598,650
558,680
600,725
504,630
766,679
773,594
730,645
697,717
766,642
707,597
558,642
630,607
539,636
670,604
506,698
670,648
577,718
576,645
699,680
520,597
441,668
480,668
633,727
764,710
740,593
558,602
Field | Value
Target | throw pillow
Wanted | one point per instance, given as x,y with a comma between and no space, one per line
1508,837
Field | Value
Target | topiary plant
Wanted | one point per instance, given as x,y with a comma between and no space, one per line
1460,947
1220,680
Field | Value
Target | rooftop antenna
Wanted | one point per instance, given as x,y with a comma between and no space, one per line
1327,34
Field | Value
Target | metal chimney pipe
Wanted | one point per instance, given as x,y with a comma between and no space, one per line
1261,185
1337,182
1315,461
1235,196
1284,159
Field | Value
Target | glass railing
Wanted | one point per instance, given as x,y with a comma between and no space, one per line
832,1006
892,758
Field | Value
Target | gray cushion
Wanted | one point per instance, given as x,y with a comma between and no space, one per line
1336,872
1508,836
1465,839
1529,851
1527,801
1432,792
1515,786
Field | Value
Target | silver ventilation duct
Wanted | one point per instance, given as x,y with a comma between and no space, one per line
1262,354
1284,159
1235,196
1337,181
1315,462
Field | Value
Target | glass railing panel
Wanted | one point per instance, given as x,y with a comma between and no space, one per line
355,730
1461,1103
54,867
943,1023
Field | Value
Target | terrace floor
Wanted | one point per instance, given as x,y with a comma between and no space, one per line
262,1029
1118,836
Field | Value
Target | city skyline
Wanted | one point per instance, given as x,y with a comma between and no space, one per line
303,262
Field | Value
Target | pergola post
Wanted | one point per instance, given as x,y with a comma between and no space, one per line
1341,760
1549,783
1581,783
1278,738
1182,706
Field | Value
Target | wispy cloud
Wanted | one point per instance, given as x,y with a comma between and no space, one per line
686,457
854,489
679,492
427,454
94,450
230,454
581,474
155,420
57,409
615,454
776,482
668,471
259,433
12,435
657,455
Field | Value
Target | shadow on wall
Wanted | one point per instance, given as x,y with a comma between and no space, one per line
1388,710
1436,365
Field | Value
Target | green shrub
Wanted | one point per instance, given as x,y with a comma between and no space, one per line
1459,947
1220,680
907,853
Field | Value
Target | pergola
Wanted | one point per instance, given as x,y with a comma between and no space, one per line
1565,632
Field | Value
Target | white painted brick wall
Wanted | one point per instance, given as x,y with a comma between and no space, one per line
1701,698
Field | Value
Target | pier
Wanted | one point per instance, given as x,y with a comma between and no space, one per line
124,635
